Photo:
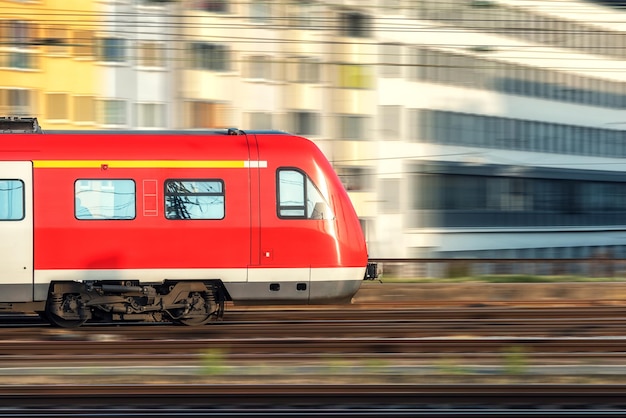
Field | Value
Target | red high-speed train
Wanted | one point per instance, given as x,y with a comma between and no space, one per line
167,226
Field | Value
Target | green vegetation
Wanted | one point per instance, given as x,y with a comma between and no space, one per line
213,362
515,360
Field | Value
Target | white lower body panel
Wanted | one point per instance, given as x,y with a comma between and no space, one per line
254,285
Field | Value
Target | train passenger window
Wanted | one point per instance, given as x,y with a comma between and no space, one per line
104,199
298,197
194,199
11,200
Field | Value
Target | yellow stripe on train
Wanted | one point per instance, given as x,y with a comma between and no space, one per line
145,164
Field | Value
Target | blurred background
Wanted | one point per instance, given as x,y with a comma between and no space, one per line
460,128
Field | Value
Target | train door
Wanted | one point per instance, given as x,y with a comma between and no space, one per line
285,242
277,274
254,203
16,231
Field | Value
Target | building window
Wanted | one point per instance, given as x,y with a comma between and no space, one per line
418,129
151,54
355,24
19,36
112,49
18,33
467,71
354,127
355,76
298,198
304,70
151,115
11,200
390,60
416,61
509,194
391,6
57,105
113,112
104,199
389,121
56,40
213,6
84,109
158,3
16,102
505,133
260,11
305,14
194,199
496,196
259,120
205,56
305,123
83,43
389,195
208,115
356,179
258,67
309,70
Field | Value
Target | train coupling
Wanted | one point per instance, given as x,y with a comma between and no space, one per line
371,271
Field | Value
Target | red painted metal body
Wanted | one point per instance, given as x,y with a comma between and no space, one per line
251,236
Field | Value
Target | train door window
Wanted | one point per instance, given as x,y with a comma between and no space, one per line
11,200
299,198
104,199
194,199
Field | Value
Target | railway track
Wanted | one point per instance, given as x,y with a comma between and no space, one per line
562,342
289,347
415,334
472,361
345,320
305,400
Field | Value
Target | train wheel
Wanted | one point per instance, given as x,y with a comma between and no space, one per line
69,305
65,323
201,310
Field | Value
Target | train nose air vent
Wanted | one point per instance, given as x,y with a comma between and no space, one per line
274,287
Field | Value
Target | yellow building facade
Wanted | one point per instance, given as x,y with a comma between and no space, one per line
48,64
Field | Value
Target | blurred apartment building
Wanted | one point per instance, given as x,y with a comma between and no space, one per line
461,128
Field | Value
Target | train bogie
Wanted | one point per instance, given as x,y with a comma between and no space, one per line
70,304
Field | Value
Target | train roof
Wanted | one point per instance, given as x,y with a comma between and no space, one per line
201,132
197,144
14,125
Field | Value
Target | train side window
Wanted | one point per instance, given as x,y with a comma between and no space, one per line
104,199
11,200
298,198
194,199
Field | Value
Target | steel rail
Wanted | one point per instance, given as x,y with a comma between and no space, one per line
476,325
484,356
401,311
329,401
319,346
307,394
